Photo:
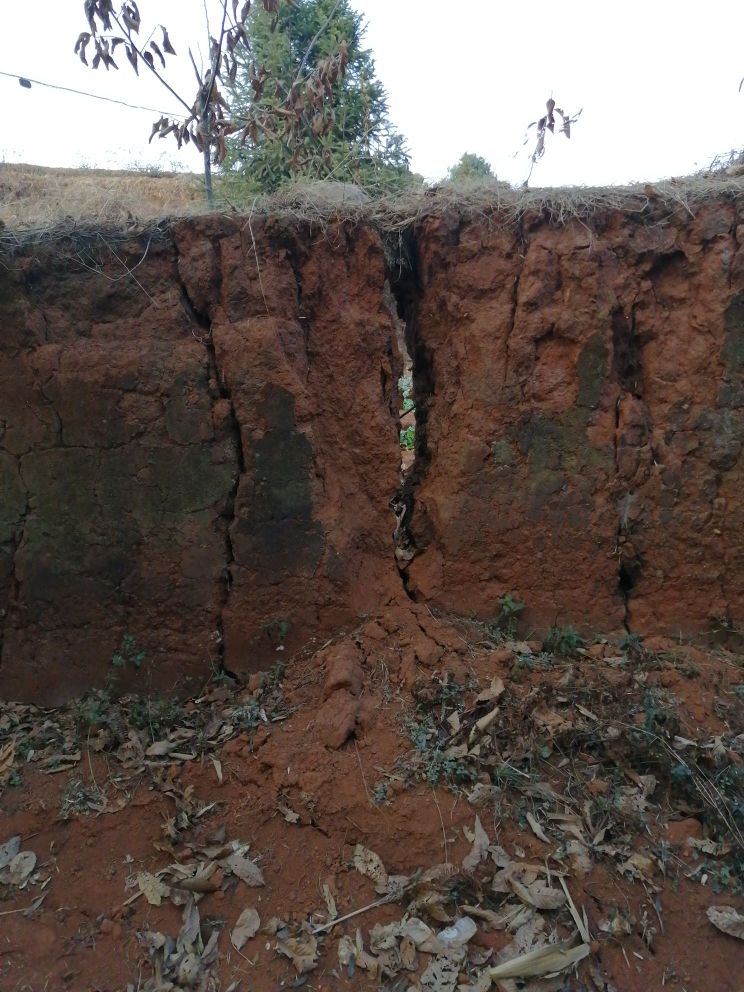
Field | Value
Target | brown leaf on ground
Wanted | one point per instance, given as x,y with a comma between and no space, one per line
727,920
247,926
152,888
544,960
246,870
9,849
369,864
532,890
302,952
21,868
479,849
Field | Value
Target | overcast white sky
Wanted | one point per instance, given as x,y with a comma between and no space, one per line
657,80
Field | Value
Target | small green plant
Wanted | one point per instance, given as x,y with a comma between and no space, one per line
247,716
421,732
563,640
530,662
405,388
656,713
380,793
128,654
408,438
81,799
504,626
273,678
439,696
155,715
454,772
631,644
664,855
94,707
276,630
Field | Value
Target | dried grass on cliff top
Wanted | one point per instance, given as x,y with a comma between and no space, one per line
38,204
33,197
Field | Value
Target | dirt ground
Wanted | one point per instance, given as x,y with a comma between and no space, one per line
465,798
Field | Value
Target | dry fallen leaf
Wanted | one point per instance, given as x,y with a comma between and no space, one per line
369,864
727,920
479,849
537,830
246,870
440,975
329,901
302,952
482,725
422,935
501,920
716,850
152,888
289,814
160,748
366,961
544,960
407,952
532,890
247,926
494,691
7,756
9,849
346,953
21,868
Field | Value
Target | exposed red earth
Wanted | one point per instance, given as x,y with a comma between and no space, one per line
284,706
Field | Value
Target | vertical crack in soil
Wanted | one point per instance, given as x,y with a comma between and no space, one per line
14,585
294,259
215,374
626,371
522,249
403,278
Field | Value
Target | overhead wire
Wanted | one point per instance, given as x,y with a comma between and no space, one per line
93,96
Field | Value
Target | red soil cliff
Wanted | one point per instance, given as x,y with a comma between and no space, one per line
198,434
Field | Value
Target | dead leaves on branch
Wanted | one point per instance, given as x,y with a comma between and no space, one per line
303,105
547,124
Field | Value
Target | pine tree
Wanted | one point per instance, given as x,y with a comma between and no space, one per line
357,143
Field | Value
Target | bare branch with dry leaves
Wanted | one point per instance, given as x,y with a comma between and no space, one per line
547,123
304,101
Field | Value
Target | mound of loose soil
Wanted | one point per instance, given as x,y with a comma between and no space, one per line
423,803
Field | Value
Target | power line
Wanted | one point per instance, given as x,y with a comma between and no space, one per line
23,80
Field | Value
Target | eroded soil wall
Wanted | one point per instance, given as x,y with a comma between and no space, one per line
583,417
199,436
196,457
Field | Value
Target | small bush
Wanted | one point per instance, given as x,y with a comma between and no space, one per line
504,626
408,438
563,640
